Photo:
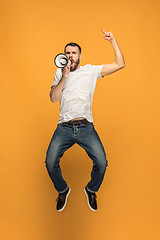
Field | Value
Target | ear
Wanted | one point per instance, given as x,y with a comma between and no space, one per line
80,56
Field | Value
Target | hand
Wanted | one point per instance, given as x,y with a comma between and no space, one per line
65,70
108,36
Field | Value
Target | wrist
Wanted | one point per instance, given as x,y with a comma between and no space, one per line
64,75
113,40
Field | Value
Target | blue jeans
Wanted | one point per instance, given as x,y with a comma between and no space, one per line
84,135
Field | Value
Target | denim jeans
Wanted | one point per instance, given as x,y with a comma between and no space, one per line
65,136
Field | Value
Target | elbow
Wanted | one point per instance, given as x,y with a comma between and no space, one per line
53,100
122,66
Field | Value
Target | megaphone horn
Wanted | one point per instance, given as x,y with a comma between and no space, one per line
61,60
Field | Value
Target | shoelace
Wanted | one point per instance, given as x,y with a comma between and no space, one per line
93,197
60,197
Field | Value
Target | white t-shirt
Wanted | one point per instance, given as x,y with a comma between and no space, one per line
77,94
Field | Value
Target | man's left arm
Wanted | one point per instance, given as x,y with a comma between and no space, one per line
119,59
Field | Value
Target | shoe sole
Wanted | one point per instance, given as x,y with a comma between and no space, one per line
60,210
88,201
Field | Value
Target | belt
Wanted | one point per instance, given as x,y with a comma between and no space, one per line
83,121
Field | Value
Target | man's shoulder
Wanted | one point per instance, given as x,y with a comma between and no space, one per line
88,66
92,67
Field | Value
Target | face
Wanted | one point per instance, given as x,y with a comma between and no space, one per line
74,56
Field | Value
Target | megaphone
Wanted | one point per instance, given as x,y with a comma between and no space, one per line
61,60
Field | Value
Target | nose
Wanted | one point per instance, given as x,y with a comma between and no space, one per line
70,56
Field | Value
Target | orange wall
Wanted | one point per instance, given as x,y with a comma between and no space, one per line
125,111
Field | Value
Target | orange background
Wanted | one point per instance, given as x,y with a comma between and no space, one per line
125,111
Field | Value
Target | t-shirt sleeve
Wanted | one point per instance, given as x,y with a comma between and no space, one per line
97,70
57,77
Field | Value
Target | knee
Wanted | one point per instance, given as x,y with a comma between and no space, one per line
50,161
100,160
103,160
50,165
47,163
103,164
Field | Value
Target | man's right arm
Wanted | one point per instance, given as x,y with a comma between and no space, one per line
56,90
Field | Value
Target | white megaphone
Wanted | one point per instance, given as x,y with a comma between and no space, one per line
61,60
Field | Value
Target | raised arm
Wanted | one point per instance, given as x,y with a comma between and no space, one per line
119,59
56,90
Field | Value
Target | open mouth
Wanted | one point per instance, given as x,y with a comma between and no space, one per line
71,62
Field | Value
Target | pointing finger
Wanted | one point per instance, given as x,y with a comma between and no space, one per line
103,31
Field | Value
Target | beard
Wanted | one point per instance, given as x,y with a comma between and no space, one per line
76,63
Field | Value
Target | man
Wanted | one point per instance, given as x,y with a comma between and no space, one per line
74,86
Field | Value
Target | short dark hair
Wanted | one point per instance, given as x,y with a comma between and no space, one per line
73,45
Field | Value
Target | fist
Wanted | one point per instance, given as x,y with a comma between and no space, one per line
65,70
108,35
